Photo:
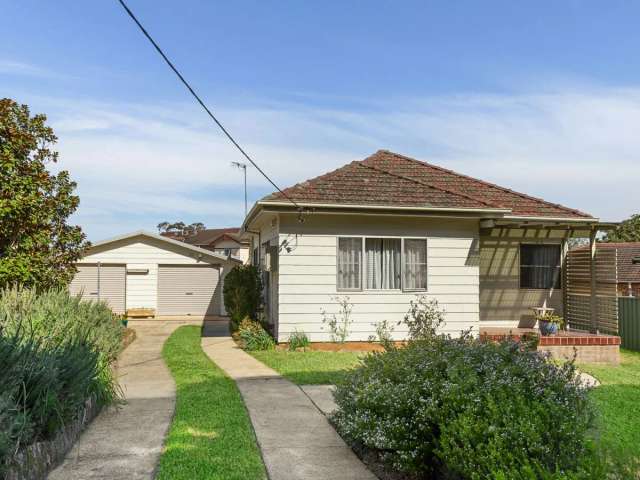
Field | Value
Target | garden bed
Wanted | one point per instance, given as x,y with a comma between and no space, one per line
340,347
56,351
35,461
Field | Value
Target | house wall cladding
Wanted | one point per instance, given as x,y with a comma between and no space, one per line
307,274
502,301
145,254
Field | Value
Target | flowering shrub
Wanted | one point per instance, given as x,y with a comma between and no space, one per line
467,409
424,318
339,324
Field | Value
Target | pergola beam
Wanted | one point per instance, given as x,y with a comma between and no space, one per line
592,271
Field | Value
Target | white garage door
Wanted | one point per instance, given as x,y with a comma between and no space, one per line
188,290
106,283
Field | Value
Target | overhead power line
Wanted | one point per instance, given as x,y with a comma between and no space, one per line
202,104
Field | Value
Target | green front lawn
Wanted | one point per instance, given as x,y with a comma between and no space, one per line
211,435
618,403
311,367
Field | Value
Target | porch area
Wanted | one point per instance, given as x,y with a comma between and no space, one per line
528,270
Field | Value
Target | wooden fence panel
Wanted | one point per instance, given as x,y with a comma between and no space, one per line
629,311
577,290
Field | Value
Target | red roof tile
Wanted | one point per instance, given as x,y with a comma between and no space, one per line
387,178
209,235
628,272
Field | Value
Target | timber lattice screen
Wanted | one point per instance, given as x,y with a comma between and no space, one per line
577,290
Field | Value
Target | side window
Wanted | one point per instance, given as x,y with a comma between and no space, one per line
540,266
415,264
349,263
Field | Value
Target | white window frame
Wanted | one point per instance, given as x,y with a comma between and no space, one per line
426,266
363,270
361,264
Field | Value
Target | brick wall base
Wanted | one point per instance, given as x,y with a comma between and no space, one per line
584,353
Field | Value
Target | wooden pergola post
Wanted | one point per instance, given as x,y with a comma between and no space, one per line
592,271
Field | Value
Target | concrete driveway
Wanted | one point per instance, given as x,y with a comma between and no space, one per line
126,442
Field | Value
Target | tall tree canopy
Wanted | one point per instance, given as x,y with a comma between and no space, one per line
181,227
627,231
37,246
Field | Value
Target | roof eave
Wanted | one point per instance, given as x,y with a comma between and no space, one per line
143,233
349,206
272,206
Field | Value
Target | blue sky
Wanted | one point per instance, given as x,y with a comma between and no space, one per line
542,97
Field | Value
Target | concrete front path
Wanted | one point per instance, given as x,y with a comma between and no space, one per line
126,442
321,396
296,440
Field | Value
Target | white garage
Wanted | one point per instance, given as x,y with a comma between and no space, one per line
145,271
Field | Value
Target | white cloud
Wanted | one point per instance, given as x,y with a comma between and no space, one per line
579,148
10,67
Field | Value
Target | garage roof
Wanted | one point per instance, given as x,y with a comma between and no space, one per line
182,245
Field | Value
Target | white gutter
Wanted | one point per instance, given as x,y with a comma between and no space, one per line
263,204
383,207
551,219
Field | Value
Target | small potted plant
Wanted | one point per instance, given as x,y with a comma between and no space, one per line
124,321
549,323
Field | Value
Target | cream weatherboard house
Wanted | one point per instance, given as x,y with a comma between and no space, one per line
383,230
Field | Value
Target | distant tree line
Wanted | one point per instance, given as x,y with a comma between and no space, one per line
181,228
627,231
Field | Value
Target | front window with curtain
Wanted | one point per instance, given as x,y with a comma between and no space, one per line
383,263
349,263
540,266
415,264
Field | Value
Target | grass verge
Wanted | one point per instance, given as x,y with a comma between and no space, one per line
311,367
618,404
211,435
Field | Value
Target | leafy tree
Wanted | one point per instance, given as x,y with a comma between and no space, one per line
197,226
176,227
181,227
242,293
627,231
37,246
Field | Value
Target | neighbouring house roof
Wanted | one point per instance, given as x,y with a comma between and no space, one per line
628,271
390,179
211,235
171,241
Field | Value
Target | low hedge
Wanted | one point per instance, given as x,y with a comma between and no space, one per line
56,351
463,409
